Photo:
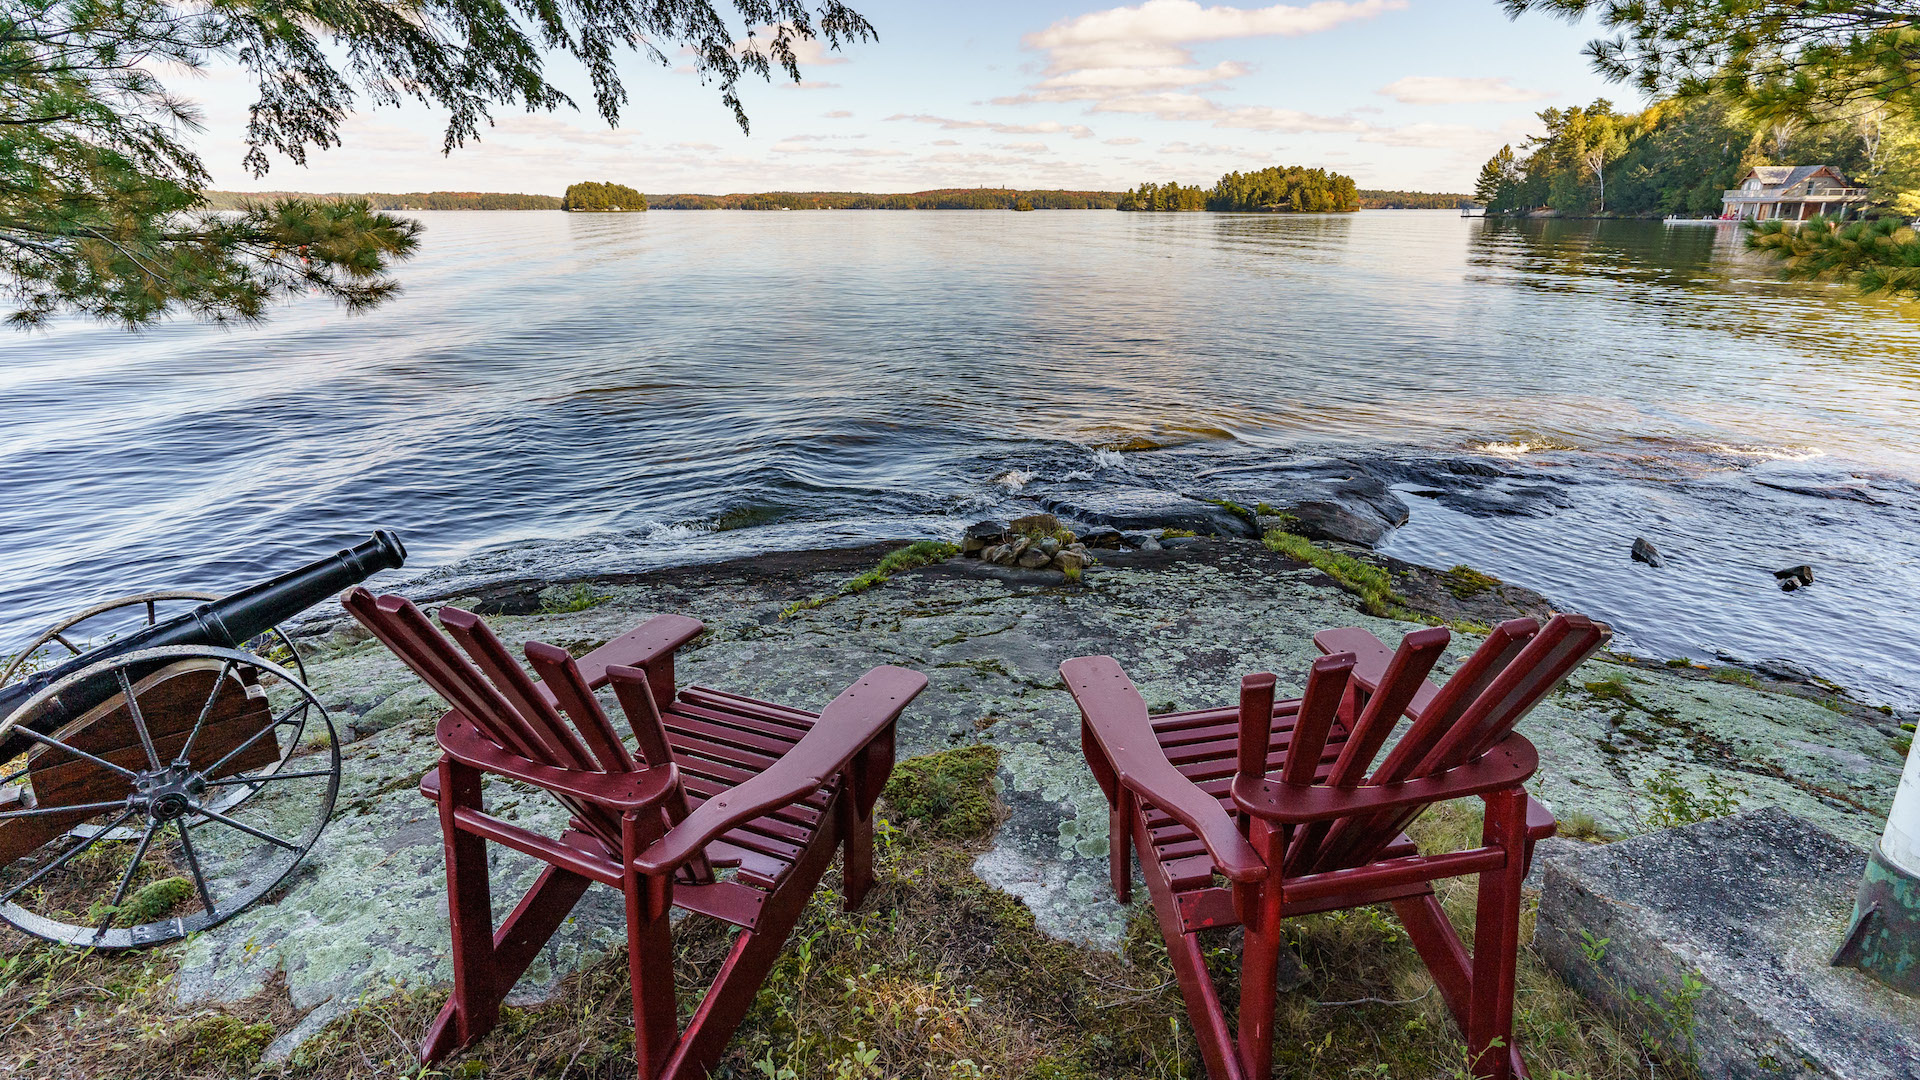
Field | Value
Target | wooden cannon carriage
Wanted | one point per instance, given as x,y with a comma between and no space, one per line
162,781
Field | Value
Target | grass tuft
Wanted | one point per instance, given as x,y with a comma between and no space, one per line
918,553
950,793
579,598
1465,583
1371,584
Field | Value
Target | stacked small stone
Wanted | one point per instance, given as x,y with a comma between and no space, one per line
1035,542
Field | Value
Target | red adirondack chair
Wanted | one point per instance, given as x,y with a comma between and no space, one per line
1275,797
732,809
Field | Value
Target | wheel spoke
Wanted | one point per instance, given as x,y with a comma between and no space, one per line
46,810
139,721
193,864
186,748
71,647
235,823
270,777
12,776
65,858
126,879
254,738
75,751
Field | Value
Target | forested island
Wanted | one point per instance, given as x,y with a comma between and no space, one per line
1277,189
601,197
1677,155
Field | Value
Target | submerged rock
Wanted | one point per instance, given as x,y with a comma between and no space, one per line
1643,551
1798,575
1131,509
1322,498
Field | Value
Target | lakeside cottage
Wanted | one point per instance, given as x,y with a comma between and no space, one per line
1791,192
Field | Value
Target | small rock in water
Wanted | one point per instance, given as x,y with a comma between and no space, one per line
1148,543
1644,551
1795,576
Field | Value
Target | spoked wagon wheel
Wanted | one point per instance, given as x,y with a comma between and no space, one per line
98,624
170,806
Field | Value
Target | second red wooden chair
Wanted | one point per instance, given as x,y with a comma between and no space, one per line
1276,798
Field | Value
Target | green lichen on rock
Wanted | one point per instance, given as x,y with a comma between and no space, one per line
950,792
1466,583
1371,584
918,553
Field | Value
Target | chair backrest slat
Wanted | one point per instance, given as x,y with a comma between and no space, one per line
1405,675
1326,685
562,676
490,654
1561,646
402,628
1518,665
1256,723
1487,662
489,688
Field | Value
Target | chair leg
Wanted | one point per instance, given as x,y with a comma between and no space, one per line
856,857
649,903
1119,851
515,945
1496,939
474,1007
1259,965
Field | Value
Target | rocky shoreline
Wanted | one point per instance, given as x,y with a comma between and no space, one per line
365,916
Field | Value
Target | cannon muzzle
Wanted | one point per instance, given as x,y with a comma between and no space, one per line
229,622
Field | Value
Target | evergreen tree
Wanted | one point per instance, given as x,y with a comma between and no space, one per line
588,195
102,203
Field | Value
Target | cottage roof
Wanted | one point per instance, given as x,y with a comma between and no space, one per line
1787,175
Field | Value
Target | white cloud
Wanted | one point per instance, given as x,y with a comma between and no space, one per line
837,114
1447,90
1025,147
1128,51
1125,140
1045,127
946,142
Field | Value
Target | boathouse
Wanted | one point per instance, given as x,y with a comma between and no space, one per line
1793,192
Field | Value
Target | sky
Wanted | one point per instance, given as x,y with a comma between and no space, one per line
1398,94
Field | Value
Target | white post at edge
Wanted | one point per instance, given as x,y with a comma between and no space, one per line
1900,844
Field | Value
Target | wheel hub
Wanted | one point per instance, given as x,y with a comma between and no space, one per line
168,794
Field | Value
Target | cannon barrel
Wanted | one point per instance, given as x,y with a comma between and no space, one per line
228,622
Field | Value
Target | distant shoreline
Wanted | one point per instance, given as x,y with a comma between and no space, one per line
935,199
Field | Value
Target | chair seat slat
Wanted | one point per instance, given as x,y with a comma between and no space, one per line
780,714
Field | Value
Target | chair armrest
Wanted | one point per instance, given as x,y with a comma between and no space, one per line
645,645
621,791
859,715
1117,716
1370,659
1510,763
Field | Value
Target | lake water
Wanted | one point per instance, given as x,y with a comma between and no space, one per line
668,387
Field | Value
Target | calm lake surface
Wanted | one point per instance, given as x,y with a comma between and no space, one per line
671,387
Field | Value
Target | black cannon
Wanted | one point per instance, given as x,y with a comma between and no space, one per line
159,782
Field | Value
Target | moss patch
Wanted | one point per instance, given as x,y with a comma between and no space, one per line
918,553
1465,583
1371,584
950,793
